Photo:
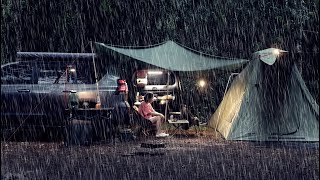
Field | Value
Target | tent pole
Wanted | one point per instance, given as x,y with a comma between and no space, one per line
166,109
95,76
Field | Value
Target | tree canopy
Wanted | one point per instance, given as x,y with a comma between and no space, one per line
221,27
224,28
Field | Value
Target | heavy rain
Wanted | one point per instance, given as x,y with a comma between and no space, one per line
159,89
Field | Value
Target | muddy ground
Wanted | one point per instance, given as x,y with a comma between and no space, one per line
198,156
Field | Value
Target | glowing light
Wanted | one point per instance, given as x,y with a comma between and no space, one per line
72,70
202,83
155,72
276,52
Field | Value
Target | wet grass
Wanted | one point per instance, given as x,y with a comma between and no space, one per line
201,155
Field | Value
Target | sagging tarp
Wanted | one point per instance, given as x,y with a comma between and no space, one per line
175,57
268,102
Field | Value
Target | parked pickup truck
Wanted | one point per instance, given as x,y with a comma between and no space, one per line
36,89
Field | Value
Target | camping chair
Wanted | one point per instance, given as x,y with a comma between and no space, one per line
144,125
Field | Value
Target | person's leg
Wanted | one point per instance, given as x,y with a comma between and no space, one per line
158,121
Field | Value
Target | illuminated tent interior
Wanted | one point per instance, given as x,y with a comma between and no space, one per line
268,101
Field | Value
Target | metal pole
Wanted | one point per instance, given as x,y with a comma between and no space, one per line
232,74
95,74
167,99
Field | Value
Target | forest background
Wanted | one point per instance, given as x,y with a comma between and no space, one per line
221,27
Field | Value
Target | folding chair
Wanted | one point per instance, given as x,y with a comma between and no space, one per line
145,126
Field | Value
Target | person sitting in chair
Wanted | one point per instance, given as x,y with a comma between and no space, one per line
146,110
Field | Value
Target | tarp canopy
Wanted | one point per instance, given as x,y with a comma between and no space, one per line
175,57
268,103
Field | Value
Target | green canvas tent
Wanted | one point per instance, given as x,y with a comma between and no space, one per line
173,56
268,101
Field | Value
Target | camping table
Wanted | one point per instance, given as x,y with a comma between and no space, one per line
90,113
178,125
175,113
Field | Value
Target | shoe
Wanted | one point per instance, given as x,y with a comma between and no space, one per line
162,135
203,123
166,134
